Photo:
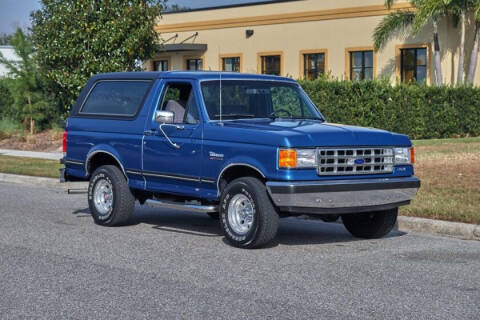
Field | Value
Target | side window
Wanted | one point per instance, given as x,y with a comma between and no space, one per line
116,98
180,99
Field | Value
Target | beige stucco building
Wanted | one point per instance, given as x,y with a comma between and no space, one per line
301,38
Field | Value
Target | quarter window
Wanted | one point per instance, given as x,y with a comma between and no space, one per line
361,65
116,98
194,64
271,65
414,65
231,64
160,65
313,65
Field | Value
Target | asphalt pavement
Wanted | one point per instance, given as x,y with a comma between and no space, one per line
55,263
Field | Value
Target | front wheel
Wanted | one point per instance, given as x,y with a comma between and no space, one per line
247,215
371,225
109,198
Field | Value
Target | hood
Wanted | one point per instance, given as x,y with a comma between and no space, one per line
303,133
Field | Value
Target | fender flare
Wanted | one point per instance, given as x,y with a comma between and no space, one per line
234,164
111,153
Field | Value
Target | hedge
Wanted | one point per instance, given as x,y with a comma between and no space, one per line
420,111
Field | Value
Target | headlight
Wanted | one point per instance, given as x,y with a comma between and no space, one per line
297,158
404,155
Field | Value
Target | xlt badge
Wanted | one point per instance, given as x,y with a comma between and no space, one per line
215,156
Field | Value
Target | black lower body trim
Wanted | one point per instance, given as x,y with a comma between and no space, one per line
74,162
169,176
351,185
311,210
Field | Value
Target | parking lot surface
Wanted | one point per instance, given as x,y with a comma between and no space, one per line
56,263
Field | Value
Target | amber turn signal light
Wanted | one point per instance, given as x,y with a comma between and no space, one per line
287,158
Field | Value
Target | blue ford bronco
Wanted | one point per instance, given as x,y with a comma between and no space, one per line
244,149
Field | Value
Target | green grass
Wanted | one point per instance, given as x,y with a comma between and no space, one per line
450,174
436,142
29,166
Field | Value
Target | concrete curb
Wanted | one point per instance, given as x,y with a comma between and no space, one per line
31,154
459,230
41,182
445,228
454,229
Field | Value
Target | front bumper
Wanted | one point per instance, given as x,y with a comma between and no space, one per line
343,196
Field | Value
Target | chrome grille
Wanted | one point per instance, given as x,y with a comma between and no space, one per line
353,161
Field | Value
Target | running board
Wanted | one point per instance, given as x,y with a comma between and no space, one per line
181,206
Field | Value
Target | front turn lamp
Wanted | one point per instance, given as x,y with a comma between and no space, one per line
296,158
404,155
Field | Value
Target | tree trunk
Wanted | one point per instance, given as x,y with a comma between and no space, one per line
474,57
438,58
32,123
461,56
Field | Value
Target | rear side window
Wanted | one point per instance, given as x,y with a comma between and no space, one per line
116,98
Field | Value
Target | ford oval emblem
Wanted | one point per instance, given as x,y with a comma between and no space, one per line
359,161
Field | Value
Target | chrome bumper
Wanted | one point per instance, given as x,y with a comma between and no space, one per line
343,196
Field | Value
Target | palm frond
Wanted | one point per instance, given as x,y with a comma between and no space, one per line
392,25
431,9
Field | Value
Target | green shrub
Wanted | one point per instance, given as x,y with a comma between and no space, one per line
9,127
6,99
420,111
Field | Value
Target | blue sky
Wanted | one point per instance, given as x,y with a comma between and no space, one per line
15,13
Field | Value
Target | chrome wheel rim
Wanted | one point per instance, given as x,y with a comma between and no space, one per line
240,214
103,197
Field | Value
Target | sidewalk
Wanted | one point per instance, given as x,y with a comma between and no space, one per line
32,154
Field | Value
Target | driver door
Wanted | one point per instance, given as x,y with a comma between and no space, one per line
172,160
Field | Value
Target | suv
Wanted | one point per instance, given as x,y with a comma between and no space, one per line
244,149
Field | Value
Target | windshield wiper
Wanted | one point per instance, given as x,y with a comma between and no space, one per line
235,116
297,118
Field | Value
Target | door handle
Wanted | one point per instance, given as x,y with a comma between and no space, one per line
180,127
149,132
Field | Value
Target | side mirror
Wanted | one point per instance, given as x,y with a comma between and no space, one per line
164,117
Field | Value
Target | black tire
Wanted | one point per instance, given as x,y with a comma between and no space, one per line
371,225
214,215
123,203
265,217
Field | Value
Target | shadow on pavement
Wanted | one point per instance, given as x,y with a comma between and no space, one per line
82,212
292,231
191,223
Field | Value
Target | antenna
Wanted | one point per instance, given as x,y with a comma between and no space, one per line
220,97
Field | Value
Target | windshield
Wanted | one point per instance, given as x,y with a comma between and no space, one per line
257,99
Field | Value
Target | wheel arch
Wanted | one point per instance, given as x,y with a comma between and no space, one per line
236,170
99,157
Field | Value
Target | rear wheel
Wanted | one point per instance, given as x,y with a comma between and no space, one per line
109,198
371,225
247,216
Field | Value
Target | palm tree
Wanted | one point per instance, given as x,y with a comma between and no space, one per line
413,22
461,6
472,68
